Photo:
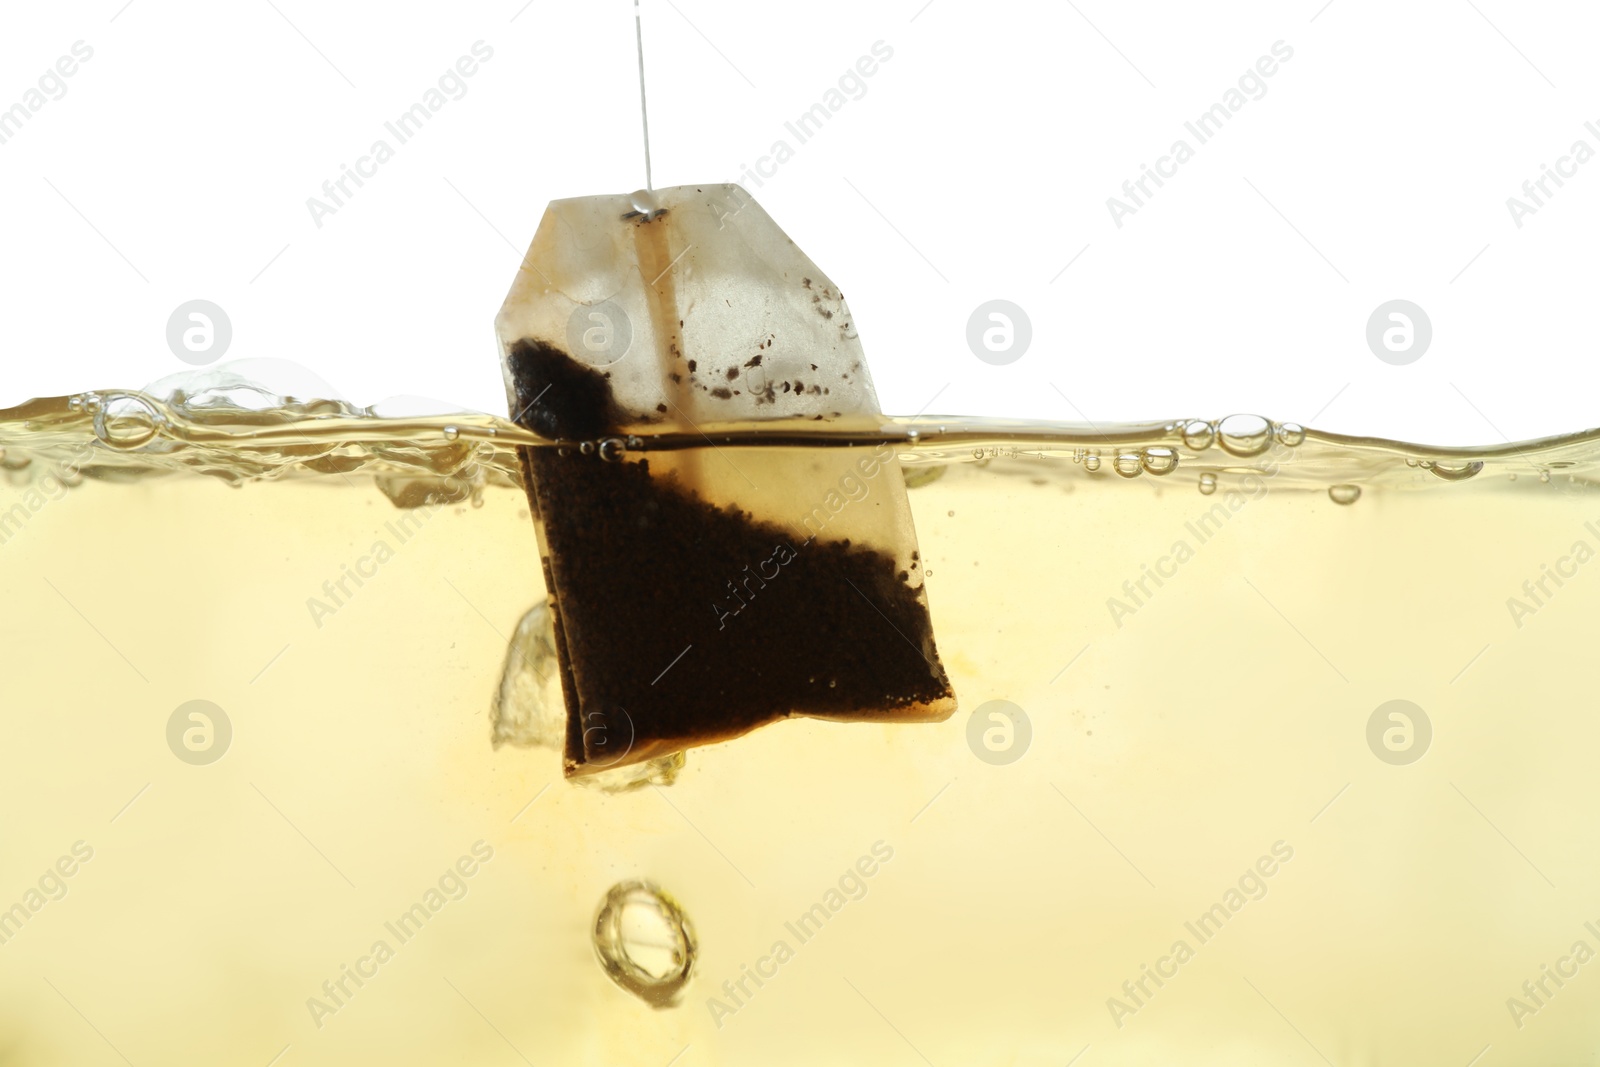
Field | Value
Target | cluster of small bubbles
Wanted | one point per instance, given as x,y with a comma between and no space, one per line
611,449
1128,464
1159,461
1198,435
1456,472
1208,483
127,421
1091,461
1291,434
1244,435
1344,494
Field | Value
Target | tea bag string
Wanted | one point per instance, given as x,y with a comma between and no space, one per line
644,111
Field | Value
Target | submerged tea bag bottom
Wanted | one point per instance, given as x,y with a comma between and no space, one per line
684,622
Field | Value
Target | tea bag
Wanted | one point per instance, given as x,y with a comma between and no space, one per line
698,593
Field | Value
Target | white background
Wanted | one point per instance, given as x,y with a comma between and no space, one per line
977,165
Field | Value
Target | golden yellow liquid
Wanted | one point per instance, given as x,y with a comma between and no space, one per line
1199,772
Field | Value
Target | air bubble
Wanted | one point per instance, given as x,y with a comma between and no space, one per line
644,202
126,420
586,448
1291,434
1128,464
1091,462
1159,461
611,449
1457,472
645,942
451,433
1208,483
1244,435
1198,435
1544,476
1344,494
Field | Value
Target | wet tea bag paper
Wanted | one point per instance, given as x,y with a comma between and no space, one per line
699,593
